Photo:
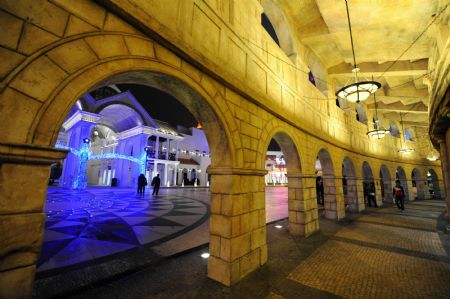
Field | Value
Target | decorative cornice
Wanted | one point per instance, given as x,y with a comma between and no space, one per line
235,171
30,154
81,116
146,131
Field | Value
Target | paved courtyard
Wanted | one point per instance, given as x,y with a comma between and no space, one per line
380,253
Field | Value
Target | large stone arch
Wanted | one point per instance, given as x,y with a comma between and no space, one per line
386,183
334,202
351,191
51,83
419,181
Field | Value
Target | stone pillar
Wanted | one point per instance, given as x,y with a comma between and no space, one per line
352,195
24,173
378,186
340,206
165,175
302,205
445,162
360,192
157,147
237,225
175,171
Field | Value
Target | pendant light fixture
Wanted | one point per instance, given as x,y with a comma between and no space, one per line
403,150
379,131
357,91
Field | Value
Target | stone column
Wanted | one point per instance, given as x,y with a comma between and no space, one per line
445,162
333,200
378,186
340,206
165,175
157,147
238,223
167,149
24,173
302,204
360,192
352,195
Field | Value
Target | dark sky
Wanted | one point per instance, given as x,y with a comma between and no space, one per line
273,146
160,105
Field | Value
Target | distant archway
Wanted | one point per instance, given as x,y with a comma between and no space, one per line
418,183
386,184
349,186
368,182
433,184
334,209
401,176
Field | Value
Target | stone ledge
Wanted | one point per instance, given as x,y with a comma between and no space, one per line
30,154
236,171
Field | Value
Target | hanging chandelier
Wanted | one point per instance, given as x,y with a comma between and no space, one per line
378,131
357,91
403,150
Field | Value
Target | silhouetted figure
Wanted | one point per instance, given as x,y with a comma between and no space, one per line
320,190
371,195
142,182
156,182
399,195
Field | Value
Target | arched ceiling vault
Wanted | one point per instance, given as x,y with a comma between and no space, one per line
382,31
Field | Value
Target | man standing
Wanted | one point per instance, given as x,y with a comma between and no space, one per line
155,183
142,182
371,197
399,195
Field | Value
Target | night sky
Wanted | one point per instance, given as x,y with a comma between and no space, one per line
160,105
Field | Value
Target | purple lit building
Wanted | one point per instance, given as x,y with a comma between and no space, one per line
114,139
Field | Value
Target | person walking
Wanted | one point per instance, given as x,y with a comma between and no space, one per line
399,195
142,182
156,182
371,197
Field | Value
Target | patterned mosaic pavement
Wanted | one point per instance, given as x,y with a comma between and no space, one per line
87,225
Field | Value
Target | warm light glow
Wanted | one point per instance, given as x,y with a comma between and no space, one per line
406,150
358,91
205,255
433,158
278,226
378,133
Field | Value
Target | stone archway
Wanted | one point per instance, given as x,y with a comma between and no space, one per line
434,187
386,184
334,205
401,176
368,181
296,208
350,186
143,63
418,182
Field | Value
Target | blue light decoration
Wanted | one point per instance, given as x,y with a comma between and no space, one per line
85,154
80,182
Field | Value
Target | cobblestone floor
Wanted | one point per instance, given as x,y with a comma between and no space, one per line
376,254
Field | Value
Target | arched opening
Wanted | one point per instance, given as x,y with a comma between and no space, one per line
369,189
129,142
283,183
326,187
433,184
418,184
279,24
386,184
349,187
401,176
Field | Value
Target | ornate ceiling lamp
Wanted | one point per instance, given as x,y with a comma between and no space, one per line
379,131
358,91
403,150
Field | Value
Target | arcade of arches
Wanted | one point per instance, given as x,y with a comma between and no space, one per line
55,51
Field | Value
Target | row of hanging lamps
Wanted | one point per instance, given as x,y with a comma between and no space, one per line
379,131
359,90
403,150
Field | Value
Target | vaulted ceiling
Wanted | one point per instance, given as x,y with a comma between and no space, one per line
388,46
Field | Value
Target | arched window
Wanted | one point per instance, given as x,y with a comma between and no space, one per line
265,22
407,135
311,78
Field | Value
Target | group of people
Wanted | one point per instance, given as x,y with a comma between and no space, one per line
397,192
142,182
